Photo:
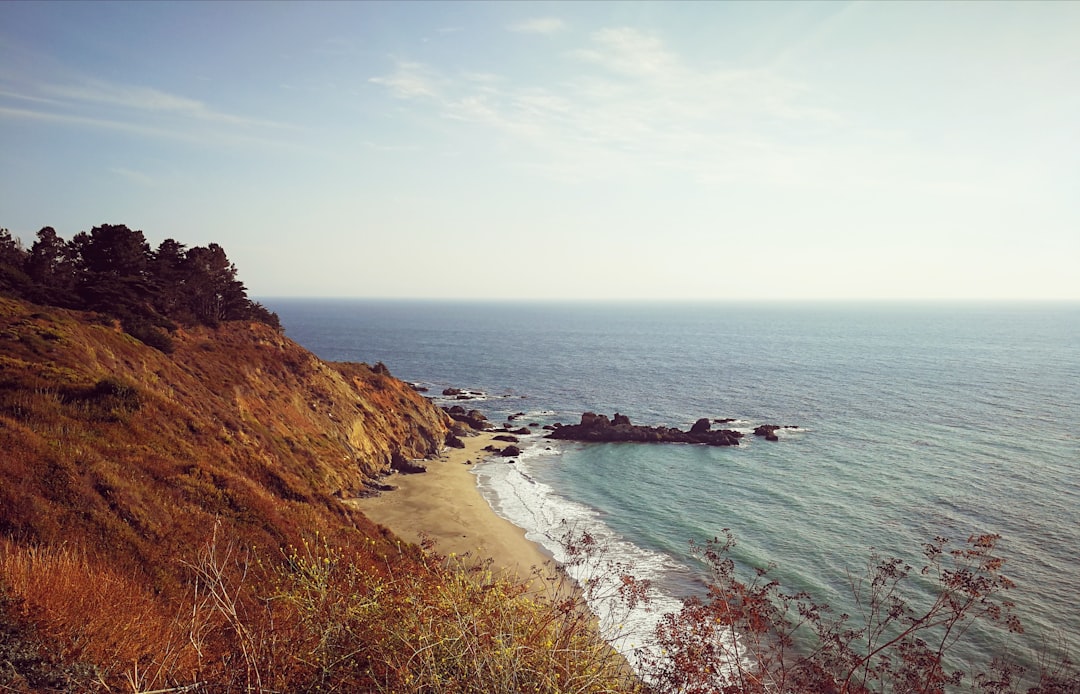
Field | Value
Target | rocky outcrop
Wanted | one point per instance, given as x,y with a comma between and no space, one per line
598,428
406,466
474,419
768,431
459,394
701,426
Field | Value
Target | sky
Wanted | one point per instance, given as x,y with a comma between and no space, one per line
707,151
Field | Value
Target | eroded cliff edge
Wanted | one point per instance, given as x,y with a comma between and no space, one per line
140,452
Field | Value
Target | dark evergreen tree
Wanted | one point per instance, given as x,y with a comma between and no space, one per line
214,293
112,270
113,262
167,269
51,268
13,279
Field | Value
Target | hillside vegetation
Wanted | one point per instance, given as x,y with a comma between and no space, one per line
172,477
172,519
176,520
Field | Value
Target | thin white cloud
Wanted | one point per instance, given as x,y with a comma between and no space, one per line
103,123
633,104
133,176
145,99
27,97
538,25
201,136
634,107
378,147
409,81
630,52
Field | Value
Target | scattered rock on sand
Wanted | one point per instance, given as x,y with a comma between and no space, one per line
405,466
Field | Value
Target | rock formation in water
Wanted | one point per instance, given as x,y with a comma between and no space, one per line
598,428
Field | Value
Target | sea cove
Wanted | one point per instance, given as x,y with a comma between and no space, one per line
915,421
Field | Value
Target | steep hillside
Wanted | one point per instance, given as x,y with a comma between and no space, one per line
176,521
135,454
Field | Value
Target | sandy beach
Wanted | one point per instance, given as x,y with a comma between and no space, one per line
445,505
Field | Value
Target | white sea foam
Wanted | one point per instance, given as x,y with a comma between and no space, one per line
549,519
531,415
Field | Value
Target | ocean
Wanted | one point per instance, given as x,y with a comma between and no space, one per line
914,421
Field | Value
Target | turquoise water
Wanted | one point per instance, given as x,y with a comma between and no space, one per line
915,421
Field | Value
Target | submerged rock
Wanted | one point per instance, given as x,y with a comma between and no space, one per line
768,431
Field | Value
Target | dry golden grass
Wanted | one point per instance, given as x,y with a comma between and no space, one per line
121,462
319,617
88,613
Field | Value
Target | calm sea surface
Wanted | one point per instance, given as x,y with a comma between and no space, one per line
914,421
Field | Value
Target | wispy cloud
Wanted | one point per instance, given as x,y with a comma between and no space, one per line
103,123
538,25
630,52
632,105
135,110
409,81
27,97
139,98
379,147
133,176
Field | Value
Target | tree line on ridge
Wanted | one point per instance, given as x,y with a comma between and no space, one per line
112,270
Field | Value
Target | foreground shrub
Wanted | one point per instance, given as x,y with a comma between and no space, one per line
376,616
333,619
752,637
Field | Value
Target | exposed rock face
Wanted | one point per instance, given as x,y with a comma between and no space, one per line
238,424
597,421
473,418
407,467
510,452
599,428
700,426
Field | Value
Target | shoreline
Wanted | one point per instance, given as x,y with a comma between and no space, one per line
445,505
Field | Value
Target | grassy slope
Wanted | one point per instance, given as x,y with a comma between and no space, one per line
135,453
175,519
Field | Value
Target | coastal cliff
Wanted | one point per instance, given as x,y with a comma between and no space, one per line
135,453
183,520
